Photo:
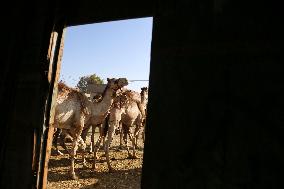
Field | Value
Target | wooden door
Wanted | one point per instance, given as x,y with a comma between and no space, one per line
43,141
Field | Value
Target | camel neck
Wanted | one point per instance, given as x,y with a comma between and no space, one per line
103,106
143,100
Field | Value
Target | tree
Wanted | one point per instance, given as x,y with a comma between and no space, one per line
87,80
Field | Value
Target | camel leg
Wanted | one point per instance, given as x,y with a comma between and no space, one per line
62,142
76,134
121,136
136,135
120,140
125,133
104,143
93,138
112,125
132,139
101,135
77,140
62,134
84,135
72,157
96,147
55,141
104,132
83,147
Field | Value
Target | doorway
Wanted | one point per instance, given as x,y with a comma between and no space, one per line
119,49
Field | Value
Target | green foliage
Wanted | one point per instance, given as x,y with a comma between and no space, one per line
86,80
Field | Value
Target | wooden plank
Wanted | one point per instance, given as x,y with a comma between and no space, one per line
55,52
54,81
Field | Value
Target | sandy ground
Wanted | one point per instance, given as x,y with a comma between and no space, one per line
127,172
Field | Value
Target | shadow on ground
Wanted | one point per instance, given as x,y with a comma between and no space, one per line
118,179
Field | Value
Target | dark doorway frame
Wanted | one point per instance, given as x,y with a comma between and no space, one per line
85,13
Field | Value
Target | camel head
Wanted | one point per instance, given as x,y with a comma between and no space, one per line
144,89
116,84
121,82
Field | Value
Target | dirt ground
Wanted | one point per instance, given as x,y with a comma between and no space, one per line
127,174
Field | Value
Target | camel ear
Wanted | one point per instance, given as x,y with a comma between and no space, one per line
107,79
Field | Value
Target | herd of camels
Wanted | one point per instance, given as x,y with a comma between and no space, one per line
116,109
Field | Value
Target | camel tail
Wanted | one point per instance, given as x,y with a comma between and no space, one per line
106,126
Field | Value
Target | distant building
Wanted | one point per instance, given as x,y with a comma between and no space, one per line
97,89
94,89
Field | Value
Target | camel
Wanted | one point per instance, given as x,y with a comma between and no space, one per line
74,110
124,131
129,109
63,134
144,102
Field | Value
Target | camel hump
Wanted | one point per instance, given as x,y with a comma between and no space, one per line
63,88
65,92
133,95
83,100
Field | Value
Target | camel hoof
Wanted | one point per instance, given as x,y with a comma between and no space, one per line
74,177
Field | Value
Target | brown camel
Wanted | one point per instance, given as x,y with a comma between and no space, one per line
74,110
124,130
129,109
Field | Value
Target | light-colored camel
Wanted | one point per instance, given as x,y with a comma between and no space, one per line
63,134
129,110
74,110
144,102
124,130
123,133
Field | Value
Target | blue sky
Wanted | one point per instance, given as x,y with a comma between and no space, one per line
109,49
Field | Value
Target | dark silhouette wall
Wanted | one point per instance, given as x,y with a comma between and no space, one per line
216,89
216,105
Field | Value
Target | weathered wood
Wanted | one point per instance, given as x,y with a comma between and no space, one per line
55,53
